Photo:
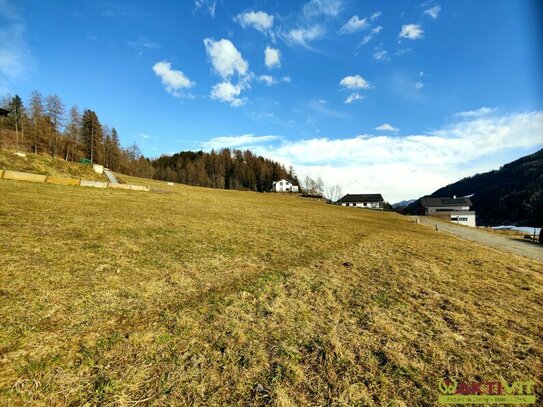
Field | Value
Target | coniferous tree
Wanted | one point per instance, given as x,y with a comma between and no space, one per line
91,136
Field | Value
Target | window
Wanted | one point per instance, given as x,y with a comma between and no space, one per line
463,219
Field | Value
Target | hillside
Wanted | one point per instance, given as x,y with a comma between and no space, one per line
511,195
195,296
44,164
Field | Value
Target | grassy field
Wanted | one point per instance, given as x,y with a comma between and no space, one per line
46,165
193,296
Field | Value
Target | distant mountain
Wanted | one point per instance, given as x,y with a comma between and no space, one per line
403,203
512,195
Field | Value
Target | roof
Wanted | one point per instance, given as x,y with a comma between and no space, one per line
362,198
283,179
428,201
3,112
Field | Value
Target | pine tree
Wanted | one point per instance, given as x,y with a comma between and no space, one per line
15,115
91,136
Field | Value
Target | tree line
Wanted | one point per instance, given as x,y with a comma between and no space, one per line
44,126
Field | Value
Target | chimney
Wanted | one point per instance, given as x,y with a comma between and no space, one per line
454,196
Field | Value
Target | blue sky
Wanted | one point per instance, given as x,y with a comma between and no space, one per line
393,97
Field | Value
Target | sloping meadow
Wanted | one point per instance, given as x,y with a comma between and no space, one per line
206,297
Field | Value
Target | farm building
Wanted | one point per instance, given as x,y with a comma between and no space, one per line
284,185
451,209
371,201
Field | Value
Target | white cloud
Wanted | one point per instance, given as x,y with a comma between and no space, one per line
387,127
373,33
353,25
414,165
433,11
259,20
267,79
174,81
272,58
329,8
411,31
354,82
225,58
303,36
227,92
375,16
419,85
354,96
483,111
245,140
286,79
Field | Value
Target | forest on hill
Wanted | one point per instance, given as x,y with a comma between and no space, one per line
44,126
511,195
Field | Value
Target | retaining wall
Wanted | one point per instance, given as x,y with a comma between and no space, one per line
50,179
24,176
62,181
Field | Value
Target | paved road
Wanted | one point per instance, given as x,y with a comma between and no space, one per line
503,243
110,176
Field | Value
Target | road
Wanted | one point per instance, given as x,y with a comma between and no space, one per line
500,242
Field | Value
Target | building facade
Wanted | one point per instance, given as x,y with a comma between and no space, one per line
369,201
284,185
453,209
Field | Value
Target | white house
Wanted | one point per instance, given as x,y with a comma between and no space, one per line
370,201
284,185
451,209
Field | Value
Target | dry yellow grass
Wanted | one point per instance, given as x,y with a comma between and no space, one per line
193,296
46,165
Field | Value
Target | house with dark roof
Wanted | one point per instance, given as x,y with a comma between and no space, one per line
3,112
453,209
370,201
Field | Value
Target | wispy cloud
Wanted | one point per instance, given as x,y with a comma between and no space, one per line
303,37
354,96
387,127
316,8
15,56
433,11
483,111
143,44
321,106
208,5
355,24
245,140
372,33
380,55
